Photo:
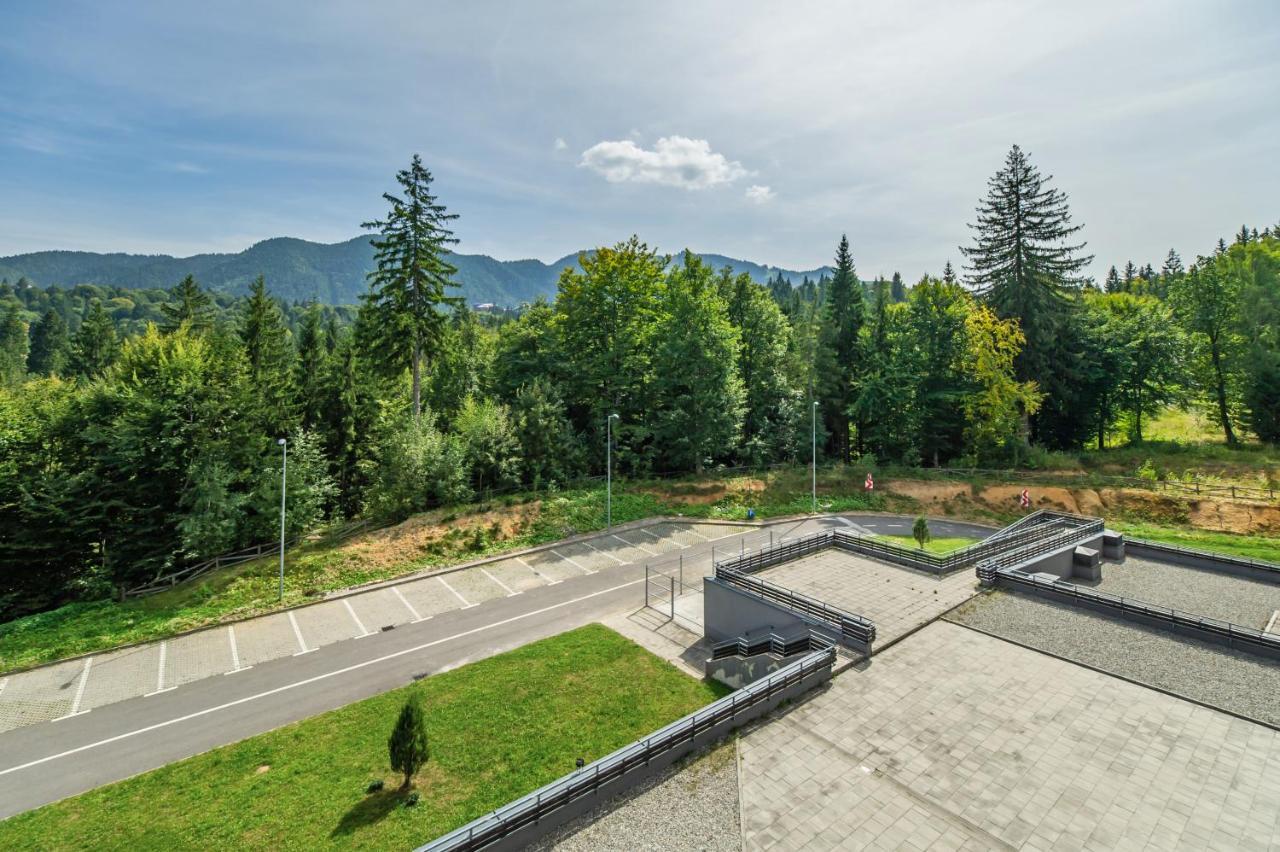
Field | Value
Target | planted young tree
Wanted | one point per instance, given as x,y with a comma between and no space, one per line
920,532
401,319
407,745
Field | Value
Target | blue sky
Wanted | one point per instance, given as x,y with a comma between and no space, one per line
758,130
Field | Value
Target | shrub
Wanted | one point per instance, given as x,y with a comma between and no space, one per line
407,744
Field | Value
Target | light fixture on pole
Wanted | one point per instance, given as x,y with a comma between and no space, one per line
815,457
608,471
284,467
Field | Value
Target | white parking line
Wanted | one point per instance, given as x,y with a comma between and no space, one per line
359,624
641,546
550,582
84,680
3,683
465,605
698,534
160,687
598,550
510,591
660,538
408,605
235,652
584,569
298,633
335,673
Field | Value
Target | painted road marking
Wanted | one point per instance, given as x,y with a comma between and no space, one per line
160,687
235,652
550,582
1270,628
298,633
641,546
663,538
308,681
598,550
3,683
408,605
584,569
698,534
510,591
359,624
84,680
465,605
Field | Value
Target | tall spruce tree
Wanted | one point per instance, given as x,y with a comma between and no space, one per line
1113,284
949,273
401,319
50,345
95,345
268,351
1026,266
187,303
14,345
844,312
312,367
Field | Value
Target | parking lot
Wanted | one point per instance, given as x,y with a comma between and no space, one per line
77,686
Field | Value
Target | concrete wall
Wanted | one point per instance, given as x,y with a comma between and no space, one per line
737,672
1206,561
729,612
1059,562
531,833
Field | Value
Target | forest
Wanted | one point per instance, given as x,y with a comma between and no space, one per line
139,429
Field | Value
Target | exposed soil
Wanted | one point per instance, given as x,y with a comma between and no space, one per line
418,535
929,492
705,493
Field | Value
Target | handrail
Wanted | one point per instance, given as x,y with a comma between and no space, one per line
1207,554
544,801
849,625
770,644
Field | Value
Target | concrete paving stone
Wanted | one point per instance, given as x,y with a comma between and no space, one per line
326,623
675,532
713,532
516,574
263,639
198,655
380,608
620,549
119,675
39,695
473,585
556,568
651,539
429,596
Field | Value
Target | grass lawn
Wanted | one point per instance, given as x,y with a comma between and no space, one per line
1248,546
939,546
498,728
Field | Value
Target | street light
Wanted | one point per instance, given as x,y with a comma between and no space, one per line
815,457
608,471
284,467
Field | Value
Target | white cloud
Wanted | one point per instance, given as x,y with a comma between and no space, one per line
559,144
759,194
674,161
187,168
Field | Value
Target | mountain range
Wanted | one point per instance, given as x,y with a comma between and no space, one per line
298,270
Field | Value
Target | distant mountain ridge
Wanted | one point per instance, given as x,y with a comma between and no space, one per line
298,270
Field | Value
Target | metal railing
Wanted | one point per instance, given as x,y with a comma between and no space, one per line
850,627
588,780
1242,561
771,644
1213,628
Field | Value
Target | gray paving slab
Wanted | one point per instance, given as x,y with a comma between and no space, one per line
429,596
39,695
651,540
953,739
579,556
516,574
380,608
326,623
128,673
198,655
474,585
267,638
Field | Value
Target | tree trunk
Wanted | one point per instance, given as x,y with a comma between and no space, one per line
1222,393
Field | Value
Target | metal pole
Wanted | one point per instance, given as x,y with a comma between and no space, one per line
815,457
681,573
608,471
284,467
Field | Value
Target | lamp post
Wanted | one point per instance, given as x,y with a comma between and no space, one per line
608,471
815,457
284,467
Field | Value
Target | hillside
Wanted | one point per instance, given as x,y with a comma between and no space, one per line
298,270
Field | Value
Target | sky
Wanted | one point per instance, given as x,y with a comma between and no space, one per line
758,130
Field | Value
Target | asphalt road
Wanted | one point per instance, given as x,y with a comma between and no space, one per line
50,761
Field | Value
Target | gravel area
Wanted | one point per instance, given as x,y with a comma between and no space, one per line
691,806
1217,595
1215,675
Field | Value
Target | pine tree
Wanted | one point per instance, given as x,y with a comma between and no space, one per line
401,320
407,745
187,303
1244,237
267,349
1113,280
50,345
898,290
95,346
949,273
1172,265
1024,264
312,366
14,345
844,312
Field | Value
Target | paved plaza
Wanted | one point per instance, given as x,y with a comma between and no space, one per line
897,599
77,686
952,739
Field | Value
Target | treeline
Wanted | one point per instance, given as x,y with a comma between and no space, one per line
124,454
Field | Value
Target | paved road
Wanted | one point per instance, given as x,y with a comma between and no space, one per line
45,762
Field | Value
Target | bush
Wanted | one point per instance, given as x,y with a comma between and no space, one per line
407,744
419,466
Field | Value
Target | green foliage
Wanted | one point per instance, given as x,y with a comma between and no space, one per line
50,345
920,531
190,306
95,345
840,355
14,346
407,746
489,444
418,466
